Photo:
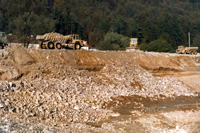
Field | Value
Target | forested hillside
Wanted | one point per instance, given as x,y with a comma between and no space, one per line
164,21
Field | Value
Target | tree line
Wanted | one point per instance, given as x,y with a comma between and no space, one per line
162,24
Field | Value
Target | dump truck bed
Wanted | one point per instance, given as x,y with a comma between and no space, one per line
191,48
53,37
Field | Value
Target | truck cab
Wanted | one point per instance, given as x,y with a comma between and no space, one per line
75,36
77,41
3,40
180,49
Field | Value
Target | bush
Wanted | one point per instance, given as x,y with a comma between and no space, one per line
144,47
114,41
157,46
196,42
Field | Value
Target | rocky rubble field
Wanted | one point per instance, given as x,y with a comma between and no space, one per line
66,90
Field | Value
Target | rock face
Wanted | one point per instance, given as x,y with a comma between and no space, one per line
60,88
21,56
12,64
11,74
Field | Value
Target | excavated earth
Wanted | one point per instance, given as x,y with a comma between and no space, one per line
98,91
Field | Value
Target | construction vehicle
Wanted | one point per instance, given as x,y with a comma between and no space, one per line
133,44
187,50
58,41
3,40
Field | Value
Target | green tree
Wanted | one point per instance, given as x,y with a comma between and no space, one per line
144,47
41,24
196,42
176,34
166,37
134,29
23,27
147,20
104,25
58,20
119,26
150,31
31,24
1,22
195,3
157,46
114,41
71,25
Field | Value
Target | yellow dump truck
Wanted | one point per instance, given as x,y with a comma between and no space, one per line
133,43
59,41
187,50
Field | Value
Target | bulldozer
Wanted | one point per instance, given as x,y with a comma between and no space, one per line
3,40
133,44
59,41
187,50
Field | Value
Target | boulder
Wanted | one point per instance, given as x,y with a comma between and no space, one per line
21,56
11,74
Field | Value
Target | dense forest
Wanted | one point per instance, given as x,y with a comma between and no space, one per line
162,24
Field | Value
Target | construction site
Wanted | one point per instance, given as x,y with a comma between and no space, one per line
99,66
44,90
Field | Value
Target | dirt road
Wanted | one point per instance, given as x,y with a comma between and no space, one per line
98,91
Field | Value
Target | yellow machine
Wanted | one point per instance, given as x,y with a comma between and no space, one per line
186,50
56,40
133,43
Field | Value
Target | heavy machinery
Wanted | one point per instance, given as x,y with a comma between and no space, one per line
186,50
3,40
58,41
133,44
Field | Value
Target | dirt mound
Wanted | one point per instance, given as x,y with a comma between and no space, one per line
82,60
152,61
60,88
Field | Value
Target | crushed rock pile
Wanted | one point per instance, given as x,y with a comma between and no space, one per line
9,124
59,88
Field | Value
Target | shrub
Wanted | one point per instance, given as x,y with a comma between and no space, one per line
114,41
157,46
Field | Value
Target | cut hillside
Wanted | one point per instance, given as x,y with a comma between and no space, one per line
60,88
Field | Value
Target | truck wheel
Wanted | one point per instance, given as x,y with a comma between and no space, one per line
58,45
77,46
50,45
42,46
